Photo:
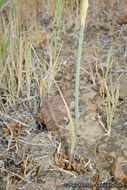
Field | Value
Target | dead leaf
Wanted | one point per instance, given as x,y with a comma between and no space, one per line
43,180
64,162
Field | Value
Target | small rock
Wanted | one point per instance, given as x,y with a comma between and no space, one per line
67,77
59,76
90,130
119,170
53,113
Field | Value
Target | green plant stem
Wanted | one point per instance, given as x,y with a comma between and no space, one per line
73,133
108,64
77,77
1,3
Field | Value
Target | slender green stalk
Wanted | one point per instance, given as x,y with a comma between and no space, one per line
14,8
77,78
1,3
5,47
108,64
83,12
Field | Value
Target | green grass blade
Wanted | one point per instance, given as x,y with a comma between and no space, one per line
77,78
1,3
108,64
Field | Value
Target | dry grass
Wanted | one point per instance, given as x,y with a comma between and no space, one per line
22,35
28,32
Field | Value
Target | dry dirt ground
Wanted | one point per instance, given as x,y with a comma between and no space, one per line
30,163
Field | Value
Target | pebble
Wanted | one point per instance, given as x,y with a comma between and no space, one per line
67,77
119,170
